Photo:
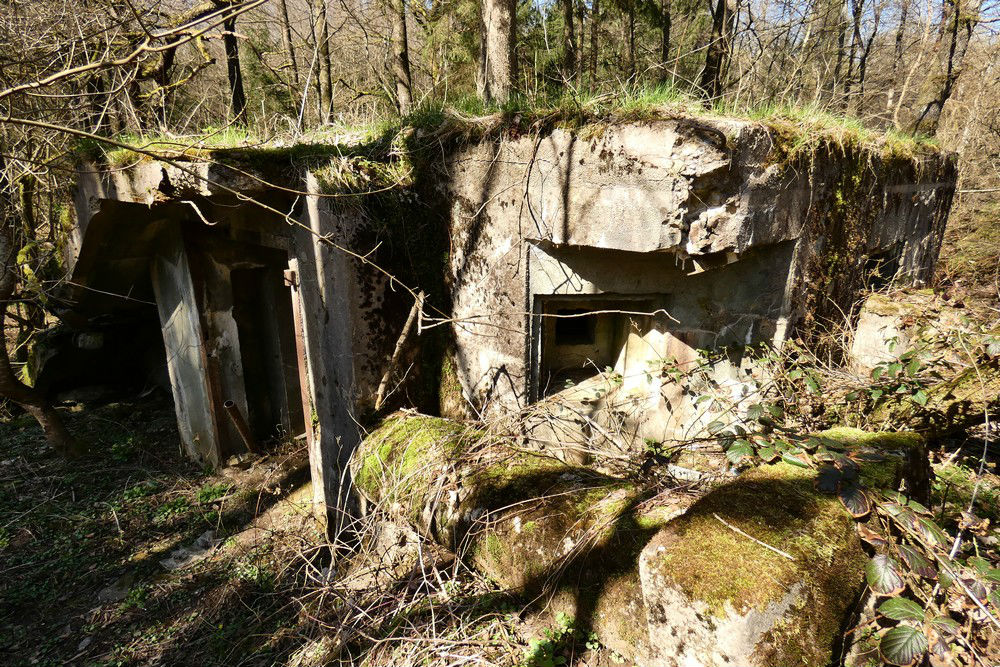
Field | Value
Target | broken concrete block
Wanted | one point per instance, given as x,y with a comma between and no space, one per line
760,571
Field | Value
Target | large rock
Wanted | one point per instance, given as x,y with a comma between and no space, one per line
715,595
664,577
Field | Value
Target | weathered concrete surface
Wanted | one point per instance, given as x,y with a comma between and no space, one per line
708,232
941,335
708,222
612,551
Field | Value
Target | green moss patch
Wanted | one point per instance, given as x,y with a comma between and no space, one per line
729,572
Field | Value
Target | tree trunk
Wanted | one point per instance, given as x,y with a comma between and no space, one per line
401,59
238,106
30,399
956,55
665,25
326,64
900,32
628,38
497,66
286,25
717,52
569,42
595,13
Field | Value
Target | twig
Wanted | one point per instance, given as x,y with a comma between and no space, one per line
418,306
750,537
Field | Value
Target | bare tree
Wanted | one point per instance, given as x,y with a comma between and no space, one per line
401,59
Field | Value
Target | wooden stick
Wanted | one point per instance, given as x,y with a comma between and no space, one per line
418,307
754,539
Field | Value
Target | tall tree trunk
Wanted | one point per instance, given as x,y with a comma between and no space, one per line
30,399
286,25
900,32
956,55
665,25
717,52
569,41
401,59
326,63
238,104
857,9
628,37
497,66
595,17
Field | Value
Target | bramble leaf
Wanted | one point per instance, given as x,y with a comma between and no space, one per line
828,479
901,609
882,575
855,500
739,450
916,562
903,645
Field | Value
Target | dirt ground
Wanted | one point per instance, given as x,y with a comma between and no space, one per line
82,544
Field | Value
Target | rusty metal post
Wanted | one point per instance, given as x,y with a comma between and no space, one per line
292,282
241,426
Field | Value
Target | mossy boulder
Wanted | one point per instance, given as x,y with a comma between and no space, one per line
661,577
715,594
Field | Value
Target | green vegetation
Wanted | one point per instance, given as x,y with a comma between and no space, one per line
358,157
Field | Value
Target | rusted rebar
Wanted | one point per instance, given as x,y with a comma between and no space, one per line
241,426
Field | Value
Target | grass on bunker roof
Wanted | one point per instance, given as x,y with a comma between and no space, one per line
805,125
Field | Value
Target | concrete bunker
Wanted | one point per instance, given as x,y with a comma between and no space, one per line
603,255
224,303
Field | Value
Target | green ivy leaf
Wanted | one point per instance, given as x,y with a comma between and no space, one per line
903,645
882,575
812,385
913,367
876,394
755,412
894,369
855,500
877,372
901,609
919,397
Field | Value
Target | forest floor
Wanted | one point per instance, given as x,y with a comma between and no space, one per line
83,546
91,576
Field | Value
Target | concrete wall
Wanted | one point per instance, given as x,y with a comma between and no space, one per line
704,218
707,223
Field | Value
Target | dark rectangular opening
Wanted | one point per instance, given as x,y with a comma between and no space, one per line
262,308
579,337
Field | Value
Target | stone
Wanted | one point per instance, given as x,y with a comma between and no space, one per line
714,596
117,590
608,551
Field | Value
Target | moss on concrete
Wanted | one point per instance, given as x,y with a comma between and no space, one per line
887,459
401,458
730,573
